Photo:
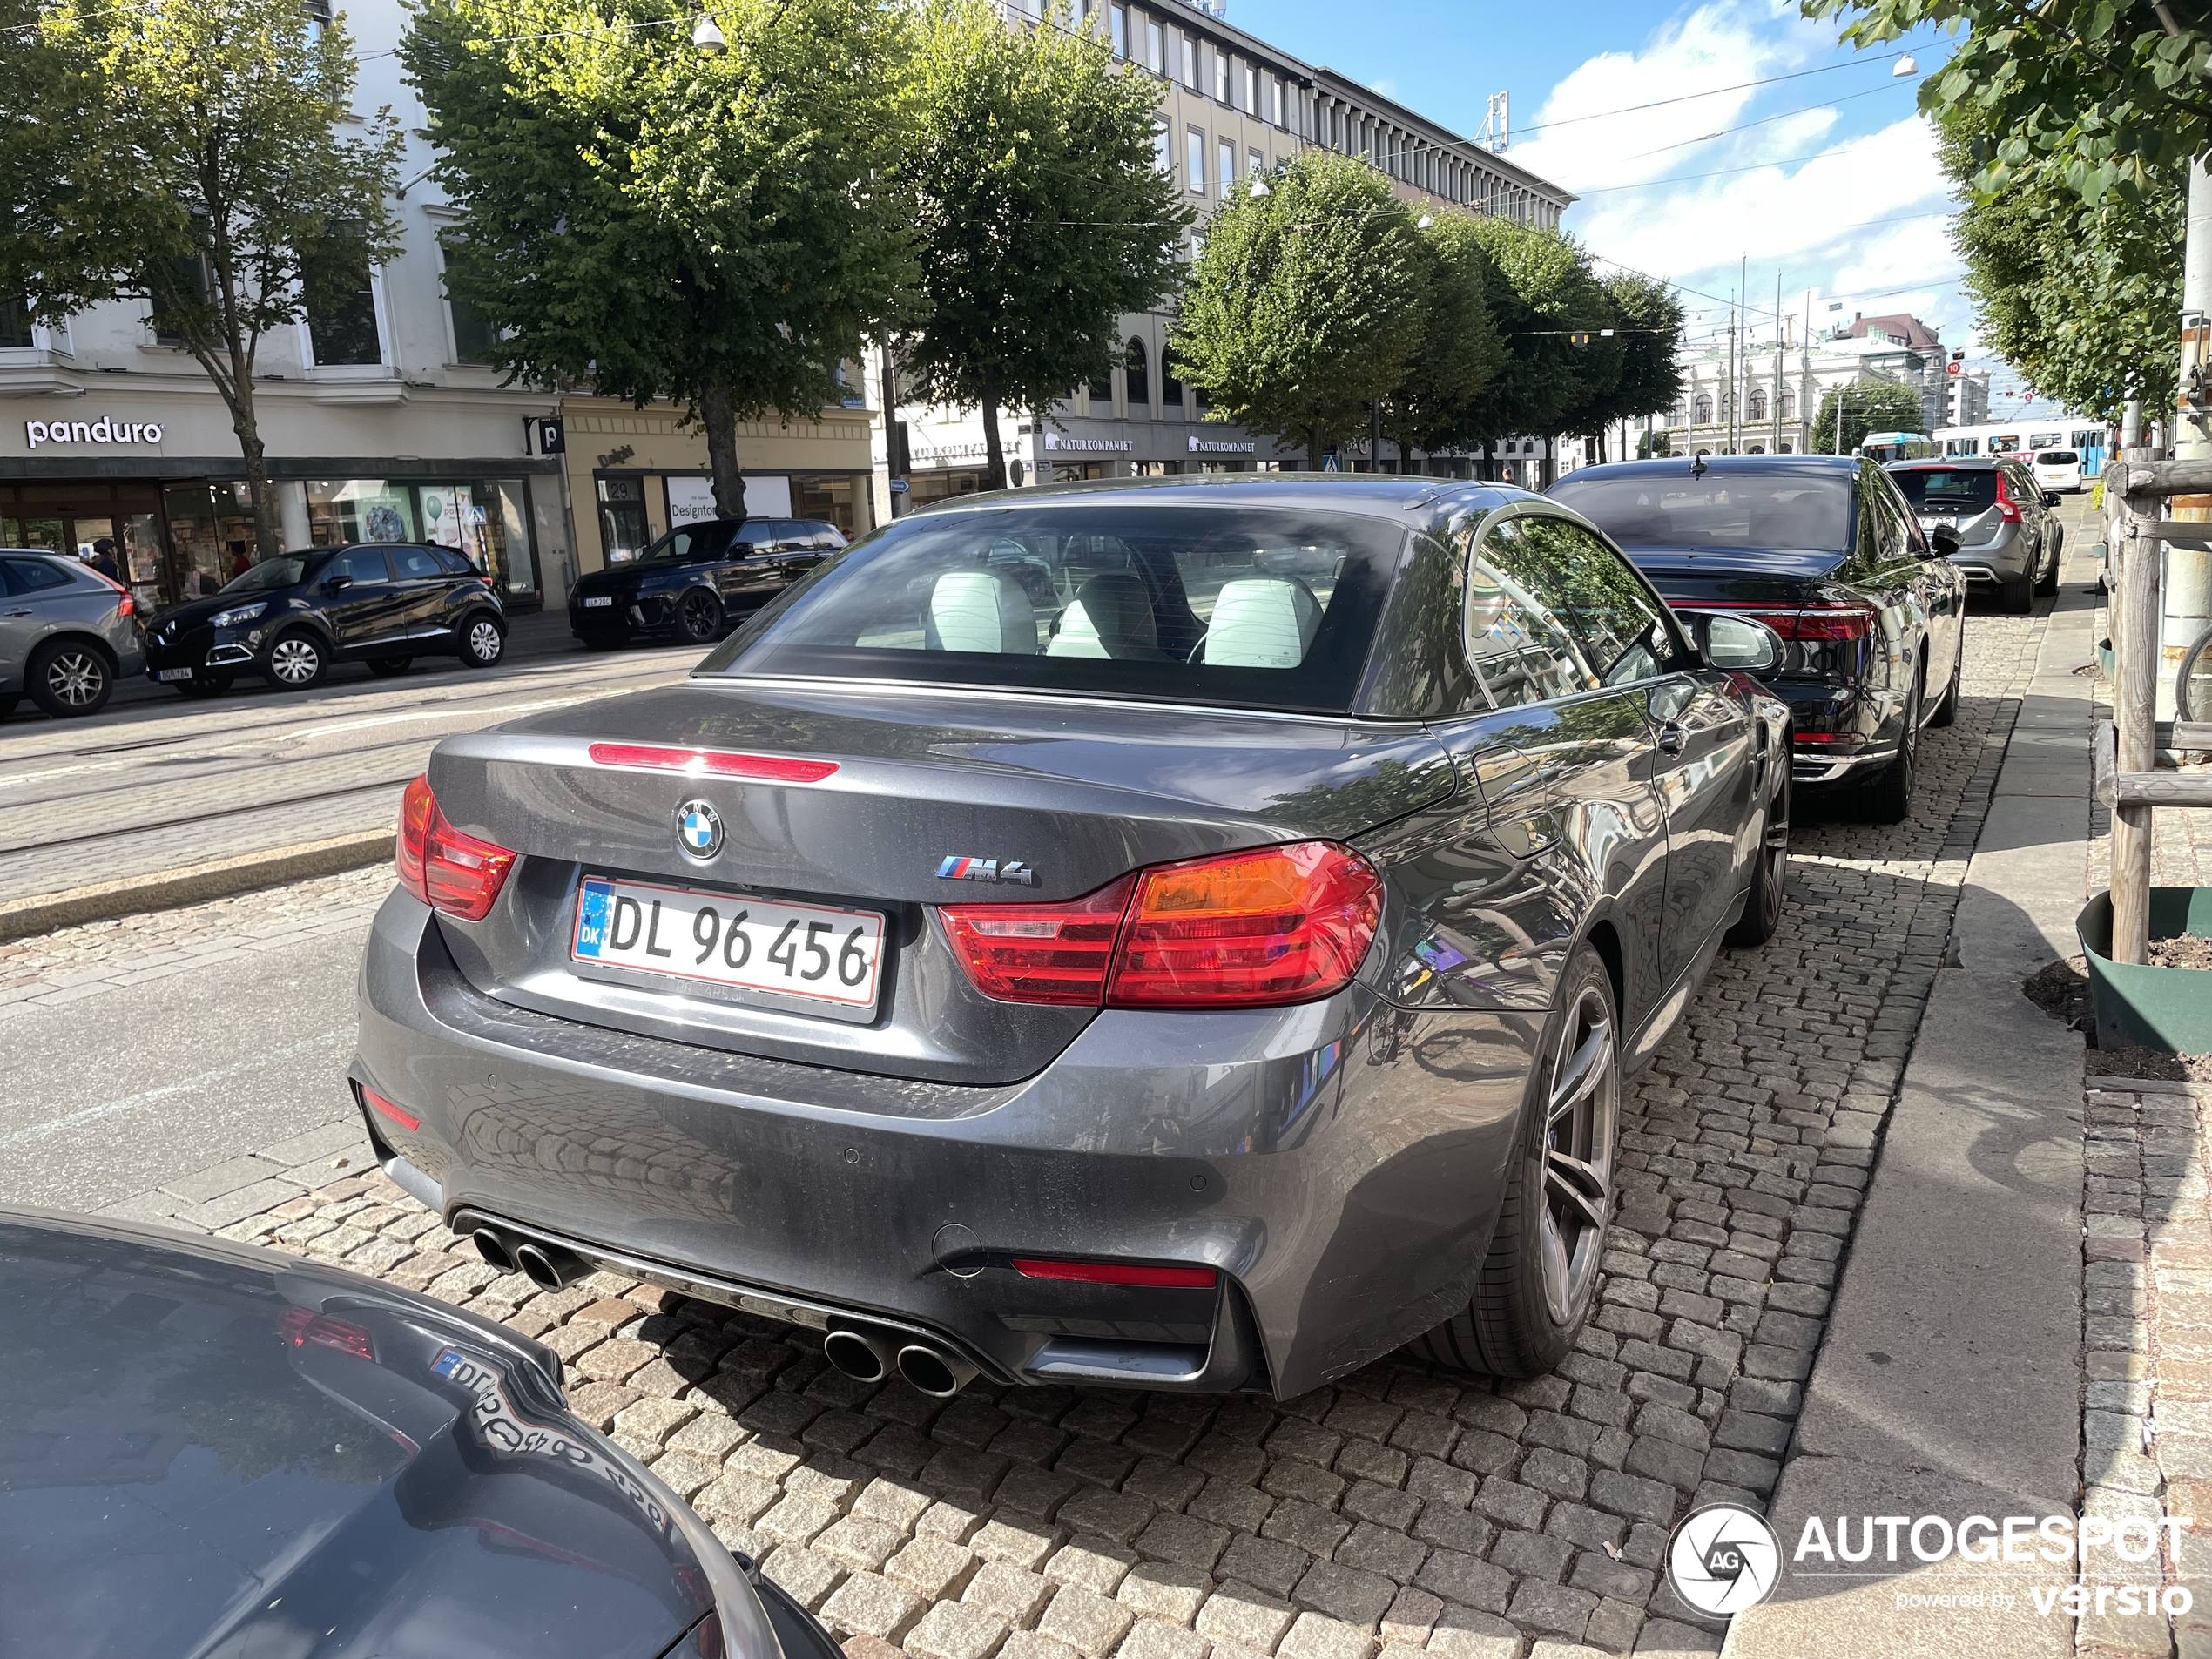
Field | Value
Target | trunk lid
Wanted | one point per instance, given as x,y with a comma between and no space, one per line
1825,626
1076,793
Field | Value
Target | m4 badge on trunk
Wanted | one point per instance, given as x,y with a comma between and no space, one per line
956,868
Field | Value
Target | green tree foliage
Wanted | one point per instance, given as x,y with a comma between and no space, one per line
1041,214
2082,298
2114,93
1438,404
1307,303
1868,406
652,221
1542,295
189,154
1647,321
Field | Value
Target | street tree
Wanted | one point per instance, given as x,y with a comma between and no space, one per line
199,155
1042,214
2080,297
1438,403
2114,92
649,220
1542,295
1306,304
1646,322
1867,406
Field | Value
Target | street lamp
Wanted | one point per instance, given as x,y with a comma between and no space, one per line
1904,66
707,38
1259,189
1424,222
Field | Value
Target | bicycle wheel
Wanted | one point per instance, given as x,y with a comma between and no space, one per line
2193,684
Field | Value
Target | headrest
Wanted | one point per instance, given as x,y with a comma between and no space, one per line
1111,616
982,610
1261,622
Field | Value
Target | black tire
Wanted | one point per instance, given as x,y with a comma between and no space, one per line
1524,1315
296,661
69,678
1887,798
199,689
1948,711
8,704
387,667
1762,913
2049,583
2016,595
483,642
699,618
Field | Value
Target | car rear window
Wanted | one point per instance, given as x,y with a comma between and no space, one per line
1260,607
1678,508
29,576
2057,458
1933,491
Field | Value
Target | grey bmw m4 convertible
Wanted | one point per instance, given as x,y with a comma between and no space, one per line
1188,934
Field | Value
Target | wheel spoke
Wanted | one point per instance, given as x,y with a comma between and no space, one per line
1557,1276
1579,1187
1583,1071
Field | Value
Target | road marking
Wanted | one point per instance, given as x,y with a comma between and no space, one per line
146,1097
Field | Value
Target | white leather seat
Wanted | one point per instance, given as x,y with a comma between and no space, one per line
1111,616
980,610
1261,622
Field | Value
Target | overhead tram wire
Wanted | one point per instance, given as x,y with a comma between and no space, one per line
1688,97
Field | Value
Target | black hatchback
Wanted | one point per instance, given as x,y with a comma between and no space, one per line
699,580
289,618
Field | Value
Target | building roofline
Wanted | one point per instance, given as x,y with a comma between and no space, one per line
1364,94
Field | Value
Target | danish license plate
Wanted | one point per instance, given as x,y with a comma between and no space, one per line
809,952
167,675
591,603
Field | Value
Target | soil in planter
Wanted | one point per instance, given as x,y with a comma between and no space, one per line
2061,990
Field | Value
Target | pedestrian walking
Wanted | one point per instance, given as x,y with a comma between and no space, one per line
104,559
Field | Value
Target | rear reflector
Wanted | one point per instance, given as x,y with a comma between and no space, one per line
1059,953
301,1326
405,1119
1281,924
713,763
1179,1279
449,870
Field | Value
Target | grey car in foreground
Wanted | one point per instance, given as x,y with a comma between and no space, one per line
207,1449
1187,935
66,633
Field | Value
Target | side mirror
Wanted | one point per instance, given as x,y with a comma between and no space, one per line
337,584
743,549
1944,539
1736,643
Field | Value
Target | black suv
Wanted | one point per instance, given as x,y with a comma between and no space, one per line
698,580
288,618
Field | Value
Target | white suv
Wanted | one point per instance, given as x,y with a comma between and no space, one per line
2058,470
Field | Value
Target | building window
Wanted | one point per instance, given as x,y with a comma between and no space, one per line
14,325
1194,160
1101,393
1758,401
339,298
474,339
1701,408
1220,76
1170,384
1162,150
192,281
1274,101
1119,17
1190,61
1789,404
1678,415
1248,89
1255,164
1225,165
1139,378
1155,48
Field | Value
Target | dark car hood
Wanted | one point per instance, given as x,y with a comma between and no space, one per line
193,612
208,1450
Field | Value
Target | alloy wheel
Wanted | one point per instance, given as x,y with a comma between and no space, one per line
483,641
75,676
699,616
1578,1155
295,662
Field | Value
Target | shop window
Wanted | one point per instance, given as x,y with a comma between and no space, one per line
341,301
1137,371
829,498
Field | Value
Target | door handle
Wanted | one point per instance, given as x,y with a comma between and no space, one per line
1671,739
22,610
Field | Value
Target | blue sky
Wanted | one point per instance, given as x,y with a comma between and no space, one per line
1827,181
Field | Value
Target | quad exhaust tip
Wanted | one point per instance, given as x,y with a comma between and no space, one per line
547,1266
868,1356
863,1357
494,1250
934,1372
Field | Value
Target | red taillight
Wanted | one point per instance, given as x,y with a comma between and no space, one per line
1057,953
446,870
401,1115
1180,1279
714,762
299,1326
126,606
1839,739
1816,619
2007,509
1279,924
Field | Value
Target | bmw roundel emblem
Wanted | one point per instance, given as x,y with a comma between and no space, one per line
699,829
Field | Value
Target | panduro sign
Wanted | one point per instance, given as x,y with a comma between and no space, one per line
103,430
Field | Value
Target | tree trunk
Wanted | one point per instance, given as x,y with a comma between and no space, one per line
718,416
1313,449
994,453
268,530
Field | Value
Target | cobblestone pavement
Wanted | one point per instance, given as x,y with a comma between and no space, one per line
1401,1510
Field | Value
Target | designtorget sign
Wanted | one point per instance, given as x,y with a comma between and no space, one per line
103,430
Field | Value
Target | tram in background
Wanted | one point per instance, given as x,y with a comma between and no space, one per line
1897,446
2025,439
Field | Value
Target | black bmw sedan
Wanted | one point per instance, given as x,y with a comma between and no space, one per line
1187,935
211,1449
291,617
1825,551
697,580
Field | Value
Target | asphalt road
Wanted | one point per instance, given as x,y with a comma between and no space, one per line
150,785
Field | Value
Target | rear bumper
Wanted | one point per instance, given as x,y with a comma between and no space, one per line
2009,558
1339,1165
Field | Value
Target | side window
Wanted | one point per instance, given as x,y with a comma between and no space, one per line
416,564
33,576
1520,650
364,565
452,563
1598,599
1914,544
1890,541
